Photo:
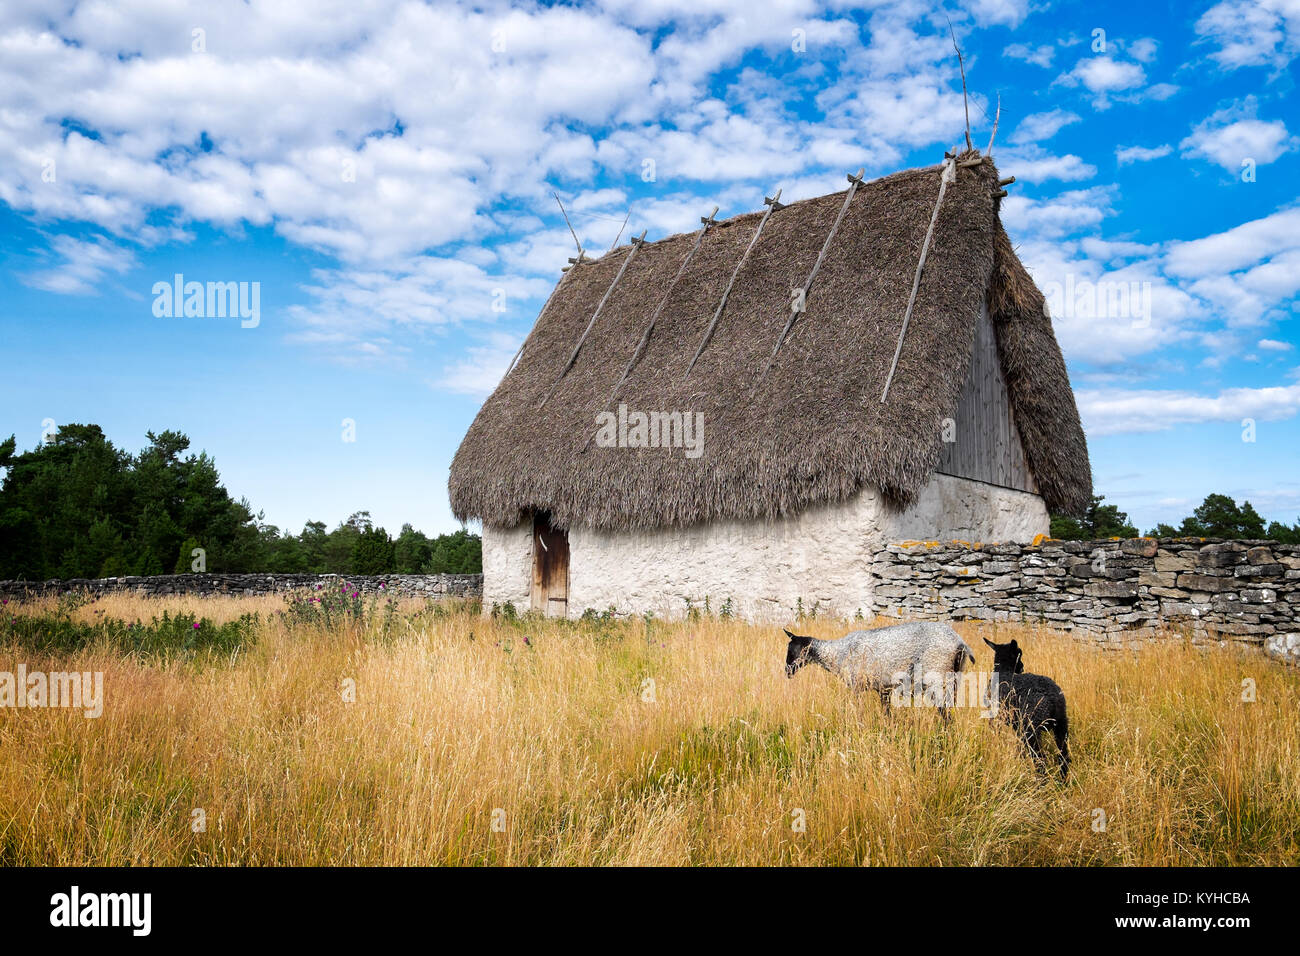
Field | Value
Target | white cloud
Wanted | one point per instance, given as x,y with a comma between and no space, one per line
1252,32
1008,12
1065,214
84,267
1143,49
1102,74
1230,136
1141,154
355,313
1040,55
1035,165
1273,345
481,369
1037,127
417,146
1208,294
1118,75
1151,410
1242,247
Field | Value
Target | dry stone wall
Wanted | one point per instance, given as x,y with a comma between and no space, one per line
1109,591
419,585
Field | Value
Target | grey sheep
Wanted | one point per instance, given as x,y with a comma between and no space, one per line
883,658
1031,703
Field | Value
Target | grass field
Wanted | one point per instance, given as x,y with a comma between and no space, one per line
480,741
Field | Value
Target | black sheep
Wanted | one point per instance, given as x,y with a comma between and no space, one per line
1031,703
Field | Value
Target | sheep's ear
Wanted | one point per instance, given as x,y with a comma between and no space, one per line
1013,645
990,644
789,635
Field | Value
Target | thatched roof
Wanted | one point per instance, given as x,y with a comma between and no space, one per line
813,429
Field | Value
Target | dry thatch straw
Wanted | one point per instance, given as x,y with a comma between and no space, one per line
813,430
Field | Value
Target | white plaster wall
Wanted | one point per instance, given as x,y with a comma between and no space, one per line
507,566
959,509
822,555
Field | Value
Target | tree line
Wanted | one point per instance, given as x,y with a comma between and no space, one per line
1218,516
77,507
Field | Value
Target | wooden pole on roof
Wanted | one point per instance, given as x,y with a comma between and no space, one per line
563,272
627,261
988,150
854,183
708,221
773,204
961,65
614,245
569,224
949,175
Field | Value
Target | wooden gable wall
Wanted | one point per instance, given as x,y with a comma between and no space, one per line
987,446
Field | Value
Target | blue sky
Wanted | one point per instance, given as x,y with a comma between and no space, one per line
383,172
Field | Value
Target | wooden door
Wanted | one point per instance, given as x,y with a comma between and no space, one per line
550,593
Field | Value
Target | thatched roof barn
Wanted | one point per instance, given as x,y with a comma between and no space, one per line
808,416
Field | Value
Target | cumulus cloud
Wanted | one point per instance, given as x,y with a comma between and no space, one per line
1065,214
417,149
1150,410
1252,32
1231,136
1039,55
1102,75
1115,301
1037,127
1035,165
1115,72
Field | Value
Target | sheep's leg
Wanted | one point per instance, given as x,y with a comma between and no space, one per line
1029,735
1062,734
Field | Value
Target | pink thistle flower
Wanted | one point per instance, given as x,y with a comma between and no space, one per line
196,625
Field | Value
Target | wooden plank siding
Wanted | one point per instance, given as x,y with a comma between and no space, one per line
987,446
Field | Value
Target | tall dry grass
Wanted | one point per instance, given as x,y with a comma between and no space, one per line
458,723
